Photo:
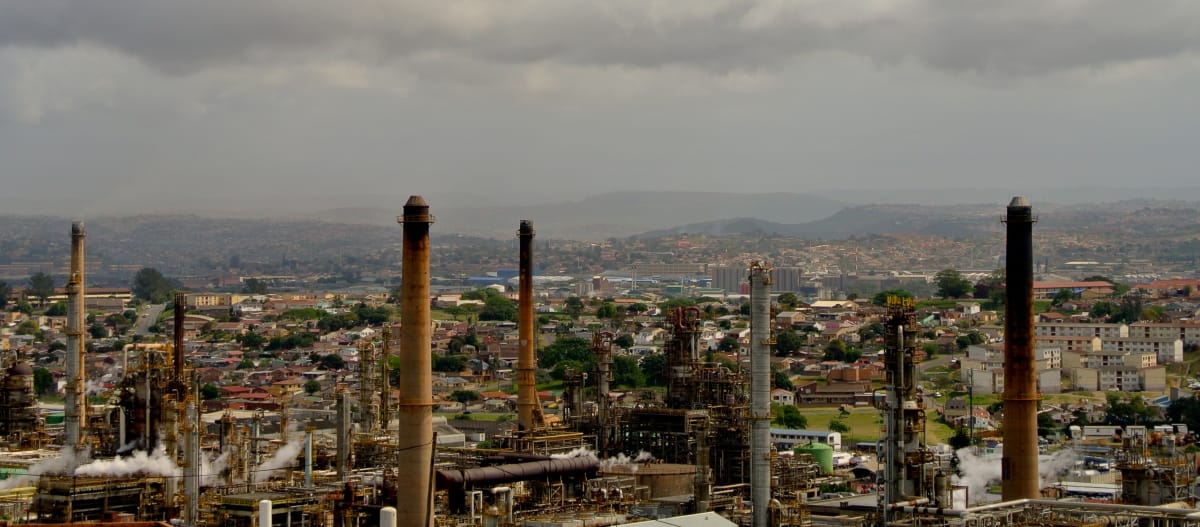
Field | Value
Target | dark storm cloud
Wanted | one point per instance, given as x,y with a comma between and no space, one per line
1026,37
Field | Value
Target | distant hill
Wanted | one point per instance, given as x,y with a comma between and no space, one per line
950,221
616,214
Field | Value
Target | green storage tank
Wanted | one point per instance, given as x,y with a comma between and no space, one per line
55,418
821,452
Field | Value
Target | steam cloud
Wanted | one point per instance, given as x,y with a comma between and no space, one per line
980,471
282,458
605,464
157,464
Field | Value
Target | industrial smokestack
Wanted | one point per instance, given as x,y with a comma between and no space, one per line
415,449
1019,465
760,390
75,412
529,410
177,352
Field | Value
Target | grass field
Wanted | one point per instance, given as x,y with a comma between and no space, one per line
866,424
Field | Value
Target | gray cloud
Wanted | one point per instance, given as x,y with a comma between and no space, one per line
1020,37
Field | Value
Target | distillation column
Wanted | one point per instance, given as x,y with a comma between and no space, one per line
1019,464
414,457
75,413
529,409
760,390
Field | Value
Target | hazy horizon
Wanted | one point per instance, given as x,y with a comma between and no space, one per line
263,108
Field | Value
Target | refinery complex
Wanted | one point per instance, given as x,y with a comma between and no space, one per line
699,453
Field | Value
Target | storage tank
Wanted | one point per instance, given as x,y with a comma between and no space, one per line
821,452
662,479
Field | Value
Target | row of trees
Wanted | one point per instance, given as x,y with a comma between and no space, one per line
148,284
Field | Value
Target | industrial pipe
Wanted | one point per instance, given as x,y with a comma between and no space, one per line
1019,463
415,405
308,456
494,475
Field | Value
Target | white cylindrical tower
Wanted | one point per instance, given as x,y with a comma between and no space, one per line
761,342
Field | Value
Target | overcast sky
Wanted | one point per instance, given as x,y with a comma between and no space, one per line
143,105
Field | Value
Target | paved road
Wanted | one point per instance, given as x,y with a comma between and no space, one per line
146,318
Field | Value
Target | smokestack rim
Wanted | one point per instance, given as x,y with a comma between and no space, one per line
77,228
416,210
1019,201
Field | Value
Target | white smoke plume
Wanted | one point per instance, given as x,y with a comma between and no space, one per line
93,387
60,465
1051,468
978,471
605,464
282,458
578,452
141,462
211,467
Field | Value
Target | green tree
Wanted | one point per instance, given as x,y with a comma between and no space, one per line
312,386
251,340
880,298
566,349
573,307
97,331
624,341
333,361
41,286
607,310
951,284
637,308
835,350
57,309
728,344
5,292
151,286
931,350
209,392
789,300
655,369
627,373
1061,297
375,316
464,396
787,342
1185,410
852,355
788,416
449,363
480,294
837,425
783,380
29,327
254,286
498,308
43,381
